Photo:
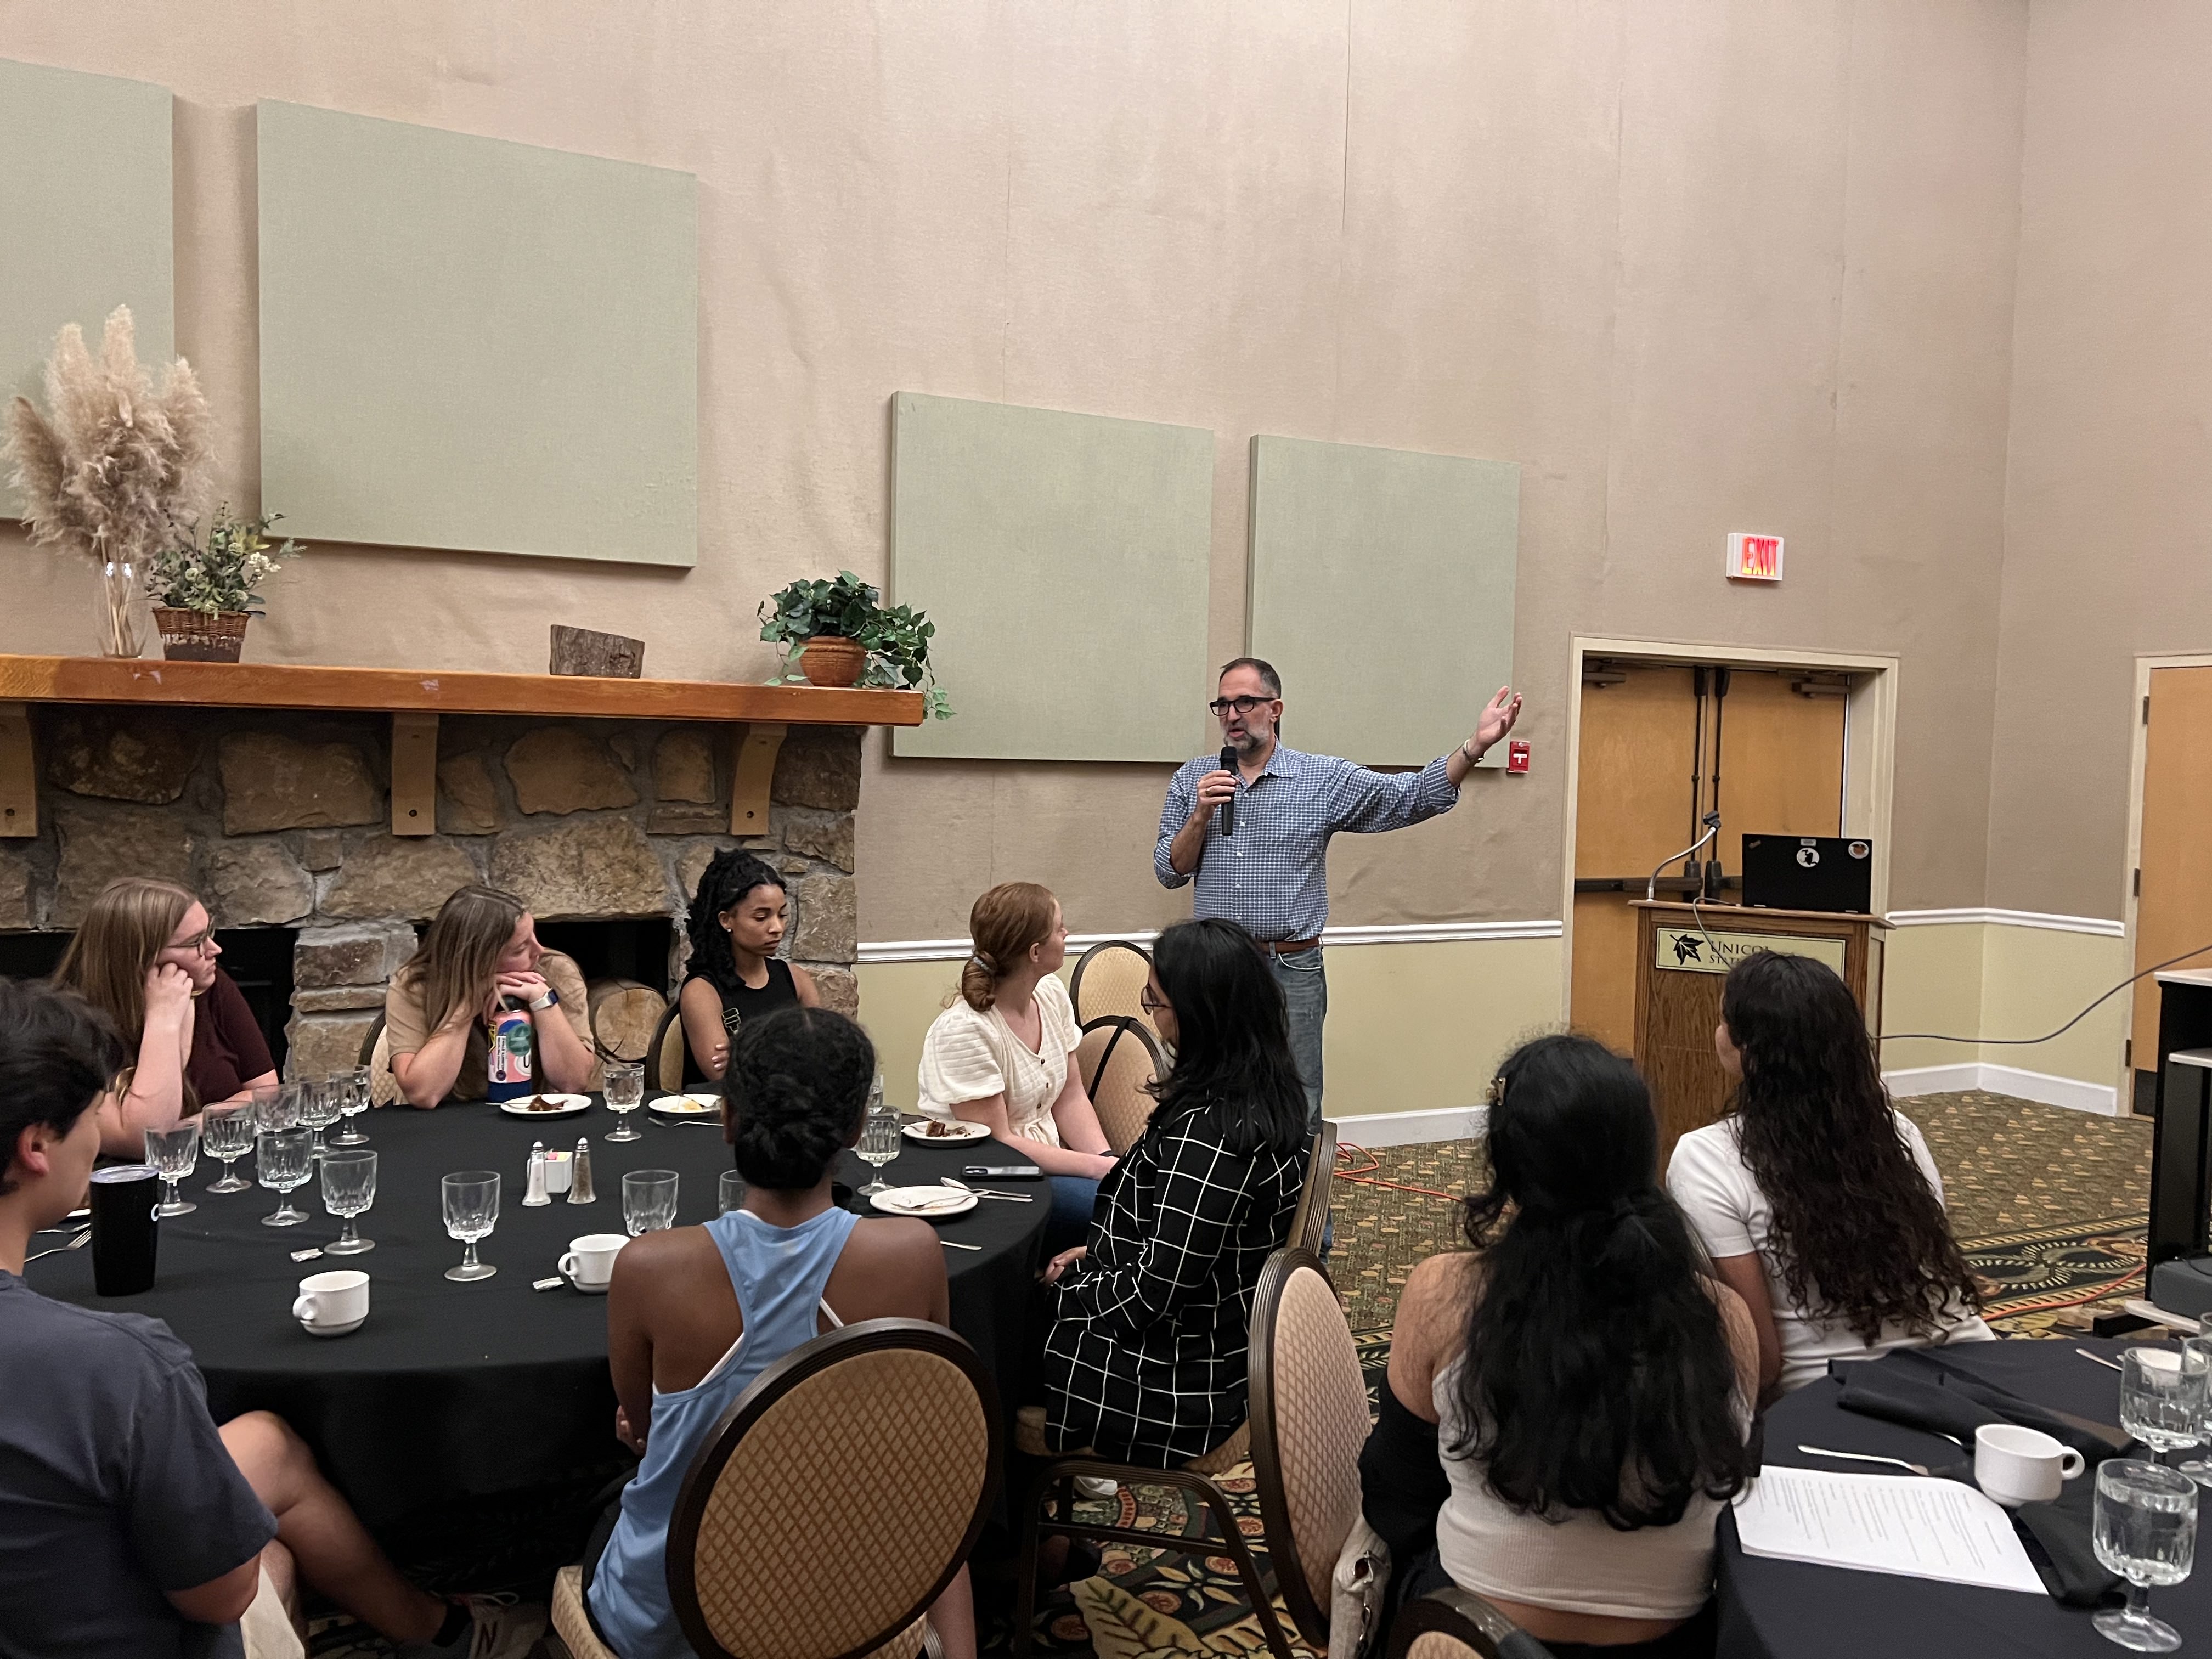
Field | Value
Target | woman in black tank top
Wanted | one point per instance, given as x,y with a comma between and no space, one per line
735,925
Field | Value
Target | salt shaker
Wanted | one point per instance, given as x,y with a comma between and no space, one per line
580,1179
536,1194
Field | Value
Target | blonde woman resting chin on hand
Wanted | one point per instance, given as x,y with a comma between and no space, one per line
1003,1053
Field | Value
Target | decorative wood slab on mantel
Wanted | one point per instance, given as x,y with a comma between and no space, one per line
415,699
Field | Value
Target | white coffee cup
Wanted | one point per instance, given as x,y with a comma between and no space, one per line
2017,1465
591,1259
332,1298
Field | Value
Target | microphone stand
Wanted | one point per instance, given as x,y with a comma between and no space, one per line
1712,828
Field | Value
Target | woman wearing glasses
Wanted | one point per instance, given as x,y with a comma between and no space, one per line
145,956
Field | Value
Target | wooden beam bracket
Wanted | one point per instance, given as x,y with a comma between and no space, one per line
19,774
414,774
751,775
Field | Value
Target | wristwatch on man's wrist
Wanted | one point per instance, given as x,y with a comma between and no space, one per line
551,998
1475,759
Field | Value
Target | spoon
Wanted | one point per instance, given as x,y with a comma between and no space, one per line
81,1240
984,1192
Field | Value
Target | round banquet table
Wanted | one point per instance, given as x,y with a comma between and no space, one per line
459,1391
1794,1610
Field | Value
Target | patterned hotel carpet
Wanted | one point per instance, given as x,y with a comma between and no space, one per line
2049,1203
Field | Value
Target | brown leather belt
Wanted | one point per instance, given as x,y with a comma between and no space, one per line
1287,947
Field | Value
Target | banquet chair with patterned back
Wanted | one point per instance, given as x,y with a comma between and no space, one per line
1117,1059
663,1055
1109,978
1309,1423
835,1501
1310,1226
373,1051
1457,1624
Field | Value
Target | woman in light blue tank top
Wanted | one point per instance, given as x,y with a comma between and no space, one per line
694,1315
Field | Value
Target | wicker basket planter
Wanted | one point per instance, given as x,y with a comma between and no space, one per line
829,660
201,635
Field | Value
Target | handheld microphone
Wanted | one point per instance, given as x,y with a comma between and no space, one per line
1227,811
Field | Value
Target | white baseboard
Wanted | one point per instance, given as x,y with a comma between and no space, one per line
1411,1129
1409,932
2070,1092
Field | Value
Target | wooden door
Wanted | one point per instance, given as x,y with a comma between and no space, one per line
2174,913
1782,773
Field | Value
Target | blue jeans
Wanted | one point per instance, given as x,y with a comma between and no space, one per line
1304,983
1069,1223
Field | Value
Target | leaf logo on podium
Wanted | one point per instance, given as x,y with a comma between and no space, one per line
1688,949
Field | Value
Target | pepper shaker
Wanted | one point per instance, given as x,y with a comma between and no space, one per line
580,1179
536,1193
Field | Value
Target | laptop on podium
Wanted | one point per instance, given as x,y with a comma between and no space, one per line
1809,873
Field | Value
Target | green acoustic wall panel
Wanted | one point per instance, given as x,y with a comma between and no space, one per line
85,220
1063,558
472,343
1381,589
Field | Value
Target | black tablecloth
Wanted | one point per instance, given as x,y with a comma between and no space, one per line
472,1390
1791,1610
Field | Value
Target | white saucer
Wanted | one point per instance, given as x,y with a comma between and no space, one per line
333,1330
566,1106
966,1132
905,1201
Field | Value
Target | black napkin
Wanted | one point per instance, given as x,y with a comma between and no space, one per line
1908,1388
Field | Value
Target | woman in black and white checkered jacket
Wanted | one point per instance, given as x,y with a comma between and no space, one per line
1146,1361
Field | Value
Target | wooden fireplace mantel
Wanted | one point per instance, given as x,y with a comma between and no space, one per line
415,699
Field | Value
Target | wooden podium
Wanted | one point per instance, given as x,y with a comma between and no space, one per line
1683,955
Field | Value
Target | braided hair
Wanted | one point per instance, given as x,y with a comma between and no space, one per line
795,1089
728,877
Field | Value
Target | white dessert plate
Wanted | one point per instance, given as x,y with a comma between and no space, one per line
943,1133
930,1203
546,1105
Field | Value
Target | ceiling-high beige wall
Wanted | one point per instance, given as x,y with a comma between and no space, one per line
1700,267
2111,491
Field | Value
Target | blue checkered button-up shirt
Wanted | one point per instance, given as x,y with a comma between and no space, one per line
1272,876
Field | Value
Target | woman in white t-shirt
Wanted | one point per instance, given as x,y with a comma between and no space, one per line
1003,1053
1816,1199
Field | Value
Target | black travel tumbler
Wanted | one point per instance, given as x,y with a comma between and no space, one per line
124,1229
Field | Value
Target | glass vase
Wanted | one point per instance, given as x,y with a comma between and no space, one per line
122,617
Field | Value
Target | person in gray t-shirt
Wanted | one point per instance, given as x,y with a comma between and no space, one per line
130,1526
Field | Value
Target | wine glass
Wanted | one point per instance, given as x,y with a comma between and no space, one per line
348,1188
353,1100
175,1152
625,1089
227,1135
879,1139
2145,1530
283,1160
2161,1396
648,1201
320,1104
471,1210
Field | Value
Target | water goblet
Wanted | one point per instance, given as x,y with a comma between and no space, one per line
2145,1530
2161,1396
879,1142
348,1188
320,1104
353,1100
175,1152
730,1193
2199,1469
227,1135
283,1159
625,1089
648,1201
471,1200
276,1106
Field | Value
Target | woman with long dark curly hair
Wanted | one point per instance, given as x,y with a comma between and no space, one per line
1585,1380
735,926
1816,1198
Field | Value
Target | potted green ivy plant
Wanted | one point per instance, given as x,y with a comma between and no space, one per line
840,633
202,595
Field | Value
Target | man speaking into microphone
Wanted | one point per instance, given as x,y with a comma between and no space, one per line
1253,827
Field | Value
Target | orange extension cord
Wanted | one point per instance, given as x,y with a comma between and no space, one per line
1361,1173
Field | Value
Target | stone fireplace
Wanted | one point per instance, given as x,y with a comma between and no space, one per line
283,819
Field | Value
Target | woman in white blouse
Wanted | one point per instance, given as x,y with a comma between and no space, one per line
1003,1053
1817,1200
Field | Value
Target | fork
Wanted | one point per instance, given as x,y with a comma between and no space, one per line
81,1239
984,1192
1863,1457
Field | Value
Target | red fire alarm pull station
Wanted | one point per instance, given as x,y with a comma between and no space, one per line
1516,756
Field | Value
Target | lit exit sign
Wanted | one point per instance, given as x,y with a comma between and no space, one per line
1754,558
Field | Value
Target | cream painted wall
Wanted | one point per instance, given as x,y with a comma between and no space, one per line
1714,265
1999,980
1412,1027
1931,980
